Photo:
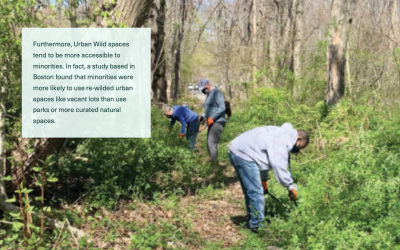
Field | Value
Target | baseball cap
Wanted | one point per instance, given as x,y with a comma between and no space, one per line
202,83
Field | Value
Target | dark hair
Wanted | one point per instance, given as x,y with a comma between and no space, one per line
304,136
228,110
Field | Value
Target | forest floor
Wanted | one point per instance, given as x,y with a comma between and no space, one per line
212,216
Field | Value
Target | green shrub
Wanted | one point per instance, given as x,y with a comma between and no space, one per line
348,176
127,168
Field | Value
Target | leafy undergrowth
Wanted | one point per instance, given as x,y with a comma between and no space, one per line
348,180
348,176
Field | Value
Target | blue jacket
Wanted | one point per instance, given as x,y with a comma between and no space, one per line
184,116
269,148
215,106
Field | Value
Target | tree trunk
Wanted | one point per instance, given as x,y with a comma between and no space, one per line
171,44
396,22
298,37
133,13
43,147
181,30
3,167
156,23
274,40
254,43
72,6
396,36
245,29
336,59
288,37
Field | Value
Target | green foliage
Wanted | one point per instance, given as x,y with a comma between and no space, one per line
13,15
152,238
348,176
28,222
118,168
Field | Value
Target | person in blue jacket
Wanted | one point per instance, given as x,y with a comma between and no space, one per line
214,115
189,122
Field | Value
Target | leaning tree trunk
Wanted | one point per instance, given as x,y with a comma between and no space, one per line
42,147
156,23
336,60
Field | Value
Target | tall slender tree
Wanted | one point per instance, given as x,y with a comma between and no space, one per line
156,23
178,54
336,59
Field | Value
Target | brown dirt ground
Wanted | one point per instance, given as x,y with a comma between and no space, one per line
216,217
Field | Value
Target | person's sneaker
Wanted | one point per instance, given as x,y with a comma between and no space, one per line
254,230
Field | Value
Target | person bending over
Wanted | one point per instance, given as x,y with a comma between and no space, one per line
254,153
189,122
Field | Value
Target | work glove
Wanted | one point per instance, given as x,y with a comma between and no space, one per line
293,194
265,186
181,135
210,121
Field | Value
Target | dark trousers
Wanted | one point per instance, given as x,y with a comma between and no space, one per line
213,138
191,133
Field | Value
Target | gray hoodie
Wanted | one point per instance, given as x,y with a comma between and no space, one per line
269,148
215,106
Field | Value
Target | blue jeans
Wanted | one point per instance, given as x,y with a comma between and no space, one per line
191,133
250,180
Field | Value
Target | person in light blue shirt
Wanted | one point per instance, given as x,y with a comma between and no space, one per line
256,152
189,122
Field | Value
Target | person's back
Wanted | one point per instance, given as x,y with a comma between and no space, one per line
257,151
259,143
184,113
189,121
269,148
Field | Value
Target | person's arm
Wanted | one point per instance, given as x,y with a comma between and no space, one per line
173,120
207,109
264,179
264,175
279,161
183,125
220,110
181,119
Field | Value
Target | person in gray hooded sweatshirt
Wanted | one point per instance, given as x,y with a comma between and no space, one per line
254,153
214,115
